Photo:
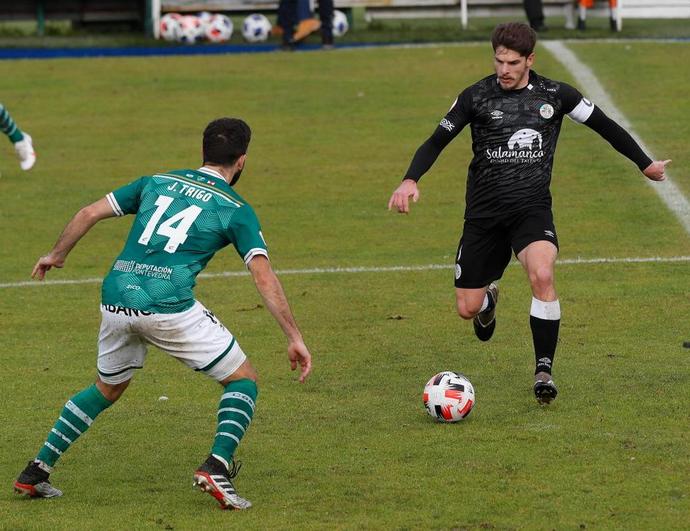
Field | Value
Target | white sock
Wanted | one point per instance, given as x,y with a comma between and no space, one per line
485,304
550,311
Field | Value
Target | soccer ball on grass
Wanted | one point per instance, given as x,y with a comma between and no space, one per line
340,23
219,28
170,27
191,29
256,28
205,17
448,397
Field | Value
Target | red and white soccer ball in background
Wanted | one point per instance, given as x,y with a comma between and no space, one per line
448,396
191,29
256,28
340,23
205,17
218,28
170,27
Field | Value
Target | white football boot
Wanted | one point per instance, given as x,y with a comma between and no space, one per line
25,152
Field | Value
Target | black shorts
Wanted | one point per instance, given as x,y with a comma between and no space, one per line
486,244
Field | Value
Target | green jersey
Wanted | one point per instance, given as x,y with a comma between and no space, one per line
182,219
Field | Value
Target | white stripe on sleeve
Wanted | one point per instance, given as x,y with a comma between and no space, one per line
255,252
114,204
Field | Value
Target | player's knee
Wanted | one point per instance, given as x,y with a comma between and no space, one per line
250,372
245,371
111,392
252,375
541,278
465,309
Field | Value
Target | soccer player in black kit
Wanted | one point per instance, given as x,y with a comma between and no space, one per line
515,117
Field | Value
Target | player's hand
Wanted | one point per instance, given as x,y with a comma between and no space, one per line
44,264
299,353
656,171
401,197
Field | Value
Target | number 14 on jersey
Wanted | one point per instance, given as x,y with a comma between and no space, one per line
176,234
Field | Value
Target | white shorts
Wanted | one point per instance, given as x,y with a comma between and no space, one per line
195,337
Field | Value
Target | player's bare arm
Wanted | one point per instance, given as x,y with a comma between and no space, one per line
271,291
78,226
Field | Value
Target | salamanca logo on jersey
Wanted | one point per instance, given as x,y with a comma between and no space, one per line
524,145
546,111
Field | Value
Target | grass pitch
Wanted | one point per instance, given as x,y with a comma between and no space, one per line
353,447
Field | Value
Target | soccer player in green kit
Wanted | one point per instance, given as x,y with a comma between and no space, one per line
22,141
182,219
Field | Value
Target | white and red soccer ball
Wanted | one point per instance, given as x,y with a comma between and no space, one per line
448,397
191,29
218,28
170,27
205,17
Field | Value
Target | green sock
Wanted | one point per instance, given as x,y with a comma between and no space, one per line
8,126
235,412
76,417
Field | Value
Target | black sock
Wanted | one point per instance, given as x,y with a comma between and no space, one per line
544,337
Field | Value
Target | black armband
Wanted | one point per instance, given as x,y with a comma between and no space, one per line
618,137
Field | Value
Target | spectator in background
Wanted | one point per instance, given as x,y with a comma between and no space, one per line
306,23
535,14
587,4
22,141
288,12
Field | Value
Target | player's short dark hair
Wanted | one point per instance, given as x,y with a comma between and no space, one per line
516,36
225,141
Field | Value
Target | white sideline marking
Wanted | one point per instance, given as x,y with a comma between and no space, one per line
362,269
667,190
